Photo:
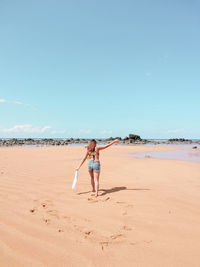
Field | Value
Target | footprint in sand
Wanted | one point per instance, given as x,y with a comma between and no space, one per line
92,200
53,213
83,231
125,227
47,221
78,228
120,202
43,203
129,206
106,199
140,242
103,244
33,210
47,203
88,232
66,217
115,236
147,241
133,244
98,200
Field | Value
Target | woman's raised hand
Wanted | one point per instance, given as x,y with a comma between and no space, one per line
116,140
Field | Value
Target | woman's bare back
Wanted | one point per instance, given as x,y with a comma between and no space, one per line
94,155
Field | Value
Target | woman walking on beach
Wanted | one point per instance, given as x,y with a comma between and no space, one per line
92,155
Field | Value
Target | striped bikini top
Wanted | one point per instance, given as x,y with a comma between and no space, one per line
92,154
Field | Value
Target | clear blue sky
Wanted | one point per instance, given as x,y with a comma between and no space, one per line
100,68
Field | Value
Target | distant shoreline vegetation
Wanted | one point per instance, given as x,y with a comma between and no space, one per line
131,139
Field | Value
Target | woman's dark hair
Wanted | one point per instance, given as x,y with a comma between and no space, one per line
92,140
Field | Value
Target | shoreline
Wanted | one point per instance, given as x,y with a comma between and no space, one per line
179,152
49,142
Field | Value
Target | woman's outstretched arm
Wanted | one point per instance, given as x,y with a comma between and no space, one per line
103,147
82,161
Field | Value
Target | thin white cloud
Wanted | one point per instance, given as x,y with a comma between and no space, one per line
105,132
85,131
25,128
59,131
15,102
175,131
44,129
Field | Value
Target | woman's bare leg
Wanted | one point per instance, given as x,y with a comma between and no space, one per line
92,180
96,181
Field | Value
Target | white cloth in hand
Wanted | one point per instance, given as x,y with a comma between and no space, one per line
75,179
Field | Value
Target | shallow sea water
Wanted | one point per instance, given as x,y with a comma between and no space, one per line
179,154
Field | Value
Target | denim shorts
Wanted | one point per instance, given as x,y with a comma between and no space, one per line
94,165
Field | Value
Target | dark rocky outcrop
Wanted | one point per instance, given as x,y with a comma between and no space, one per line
179,140
112,138
131,139
33,142
135,137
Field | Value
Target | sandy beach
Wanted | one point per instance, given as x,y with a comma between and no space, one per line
147,214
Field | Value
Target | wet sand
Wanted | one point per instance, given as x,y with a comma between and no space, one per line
147,214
